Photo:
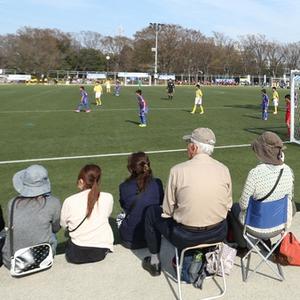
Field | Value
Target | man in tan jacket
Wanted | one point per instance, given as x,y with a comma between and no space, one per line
197,198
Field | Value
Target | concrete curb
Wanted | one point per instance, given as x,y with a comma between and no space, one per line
120,276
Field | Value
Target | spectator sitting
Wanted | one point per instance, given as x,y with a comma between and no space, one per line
36,212
138,192
260,181
86,216
197,198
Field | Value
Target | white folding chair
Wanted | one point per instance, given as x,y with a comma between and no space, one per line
264,215
220,265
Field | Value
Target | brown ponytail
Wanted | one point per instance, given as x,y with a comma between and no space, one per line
90,175
139,168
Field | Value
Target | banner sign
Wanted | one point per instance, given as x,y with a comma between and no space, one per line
18,77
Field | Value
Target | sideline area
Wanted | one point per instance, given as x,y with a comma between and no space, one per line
120,276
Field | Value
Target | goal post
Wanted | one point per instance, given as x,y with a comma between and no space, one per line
295,109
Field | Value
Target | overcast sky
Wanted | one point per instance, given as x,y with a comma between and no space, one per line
277,19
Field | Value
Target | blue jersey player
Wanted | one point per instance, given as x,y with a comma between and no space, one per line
264,104
143,108
117,88
84,101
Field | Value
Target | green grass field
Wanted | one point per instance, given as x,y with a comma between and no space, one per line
39,122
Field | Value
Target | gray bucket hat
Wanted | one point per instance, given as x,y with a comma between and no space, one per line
32,181
268,148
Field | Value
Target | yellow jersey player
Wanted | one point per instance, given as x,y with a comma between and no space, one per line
107,86
98,93
275,98
198,100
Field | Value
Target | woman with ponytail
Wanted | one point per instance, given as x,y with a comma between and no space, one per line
85,215
137,192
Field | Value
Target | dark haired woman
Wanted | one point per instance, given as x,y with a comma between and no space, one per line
137,192
86,215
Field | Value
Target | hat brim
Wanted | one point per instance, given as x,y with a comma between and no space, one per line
187,138
266,155
29,191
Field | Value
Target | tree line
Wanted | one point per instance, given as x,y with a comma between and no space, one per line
180,51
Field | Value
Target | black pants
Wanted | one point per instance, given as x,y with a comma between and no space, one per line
155,226
236,226
133,245
2,240
80,255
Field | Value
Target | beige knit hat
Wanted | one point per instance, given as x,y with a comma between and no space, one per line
268,148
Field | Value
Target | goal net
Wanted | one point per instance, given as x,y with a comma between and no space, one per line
295,109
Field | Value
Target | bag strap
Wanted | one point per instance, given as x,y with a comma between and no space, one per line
77,225
11,227
274,187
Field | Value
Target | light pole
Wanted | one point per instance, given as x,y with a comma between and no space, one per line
157,27
107,57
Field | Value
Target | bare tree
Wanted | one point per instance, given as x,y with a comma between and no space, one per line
275,54
37,50
226,56
8,51
114,47
143,57
292,55
89,39
180,50
171,37
255,47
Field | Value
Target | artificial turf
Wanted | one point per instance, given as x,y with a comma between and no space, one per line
39,122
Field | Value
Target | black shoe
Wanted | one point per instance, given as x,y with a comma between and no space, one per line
241,252
154,270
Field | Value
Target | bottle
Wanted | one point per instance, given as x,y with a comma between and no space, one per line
196,265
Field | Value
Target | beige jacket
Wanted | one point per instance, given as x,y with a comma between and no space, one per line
198,192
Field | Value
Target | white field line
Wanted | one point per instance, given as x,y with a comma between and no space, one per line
6,162
106,155
101,110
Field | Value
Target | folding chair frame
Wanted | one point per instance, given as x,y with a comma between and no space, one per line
220,264
264,258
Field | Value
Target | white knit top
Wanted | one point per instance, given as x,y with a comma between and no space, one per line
95,231
259,183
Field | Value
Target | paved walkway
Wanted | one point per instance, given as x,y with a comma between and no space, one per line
120,276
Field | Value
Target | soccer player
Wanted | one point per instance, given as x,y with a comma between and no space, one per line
264,104
275,98
198,100
117,88
84,101
140,83
287,99
143,107
170,89
107,86
98,93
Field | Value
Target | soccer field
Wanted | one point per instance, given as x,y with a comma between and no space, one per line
39,122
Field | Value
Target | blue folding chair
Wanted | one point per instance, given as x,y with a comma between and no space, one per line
264,215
